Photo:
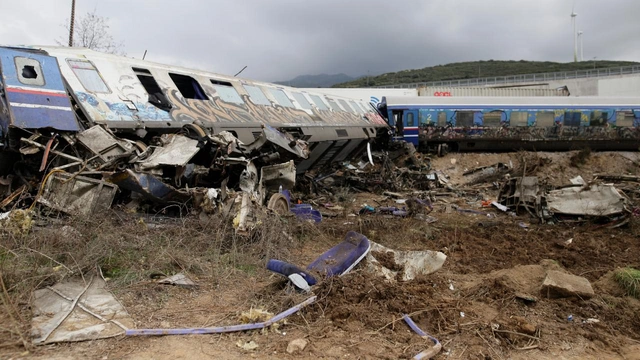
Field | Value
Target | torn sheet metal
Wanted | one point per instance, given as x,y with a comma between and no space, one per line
103,144
149,186
275,177
176,151
405,265
77,195
597,200
521,192
76,311
271,135
179,279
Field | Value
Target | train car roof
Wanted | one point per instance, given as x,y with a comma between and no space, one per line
510,100
79,52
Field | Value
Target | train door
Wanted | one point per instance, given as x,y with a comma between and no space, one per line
34,92
410,122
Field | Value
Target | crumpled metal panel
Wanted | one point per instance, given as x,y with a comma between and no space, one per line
597,200
149,186
272,135
78,195
177,151
102,143
59,317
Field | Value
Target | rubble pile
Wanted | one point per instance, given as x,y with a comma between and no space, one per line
83,174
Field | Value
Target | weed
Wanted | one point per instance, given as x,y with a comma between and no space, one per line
629,279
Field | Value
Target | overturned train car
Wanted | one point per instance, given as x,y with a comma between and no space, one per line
440,124
56,90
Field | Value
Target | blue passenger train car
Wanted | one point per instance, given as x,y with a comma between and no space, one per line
513,123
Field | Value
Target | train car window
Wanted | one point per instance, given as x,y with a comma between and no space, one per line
157,97
319,103
625,118
545,119
518,118
302,100
356,107
88,76
333,105
227,92
256,95
572,118
464,118
281,97
598,118
442,118
366,107
188,87
29,71
493,118
410,119
346,106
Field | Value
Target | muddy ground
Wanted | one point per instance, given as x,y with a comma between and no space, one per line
485,303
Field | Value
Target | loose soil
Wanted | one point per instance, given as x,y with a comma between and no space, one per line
485,303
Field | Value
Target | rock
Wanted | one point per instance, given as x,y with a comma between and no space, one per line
296,345
558,284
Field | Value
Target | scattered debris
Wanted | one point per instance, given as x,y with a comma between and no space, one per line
179,279
247,346
336,261
403,265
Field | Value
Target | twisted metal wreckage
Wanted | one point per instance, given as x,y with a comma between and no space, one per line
78,126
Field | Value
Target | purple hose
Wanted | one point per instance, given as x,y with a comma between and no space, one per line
222,329
427,354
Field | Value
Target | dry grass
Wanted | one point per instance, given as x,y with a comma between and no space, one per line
629,280
128,249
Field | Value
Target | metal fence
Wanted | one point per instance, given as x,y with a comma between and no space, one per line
526,78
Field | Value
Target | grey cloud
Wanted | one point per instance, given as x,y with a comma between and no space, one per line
279,39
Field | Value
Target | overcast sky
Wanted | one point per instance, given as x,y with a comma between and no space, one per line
280,39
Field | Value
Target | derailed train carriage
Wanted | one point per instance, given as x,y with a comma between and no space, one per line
440,124
60,89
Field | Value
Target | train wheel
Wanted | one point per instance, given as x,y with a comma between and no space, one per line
279,204
194,131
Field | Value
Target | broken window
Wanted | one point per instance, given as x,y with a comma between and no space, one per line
302,100
493,119
188,87
334,105
625,118
227,92
341,133
598,118
355,107
545,119
281,97
157,97
256,95
346,106
88,76
319,103
29,71
519,118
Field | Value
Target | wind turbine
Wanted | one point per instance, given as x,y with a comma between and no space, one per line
581,45
575,33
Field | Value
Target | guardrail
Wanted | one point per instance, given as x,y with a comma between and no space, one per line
533,78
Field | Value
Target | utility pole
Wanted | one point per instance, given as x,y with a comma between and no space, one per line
73,15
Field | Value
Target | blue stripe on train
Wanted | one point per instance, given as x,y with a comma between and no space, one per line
34,118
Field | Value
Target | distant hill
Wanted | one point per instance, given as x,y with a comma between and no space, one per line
314,81
475,69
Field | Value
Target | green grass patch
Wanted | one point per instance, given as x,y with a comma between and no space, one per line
629,279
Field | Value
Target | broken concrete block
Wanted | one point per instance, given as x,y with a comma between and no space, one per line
296,345
558,284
